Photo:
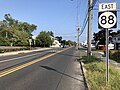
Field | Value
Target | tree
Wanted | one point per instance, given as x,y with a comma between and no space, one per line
25,27
44,39
51,33
63,42
100,37
70,43
59,38
13,31
10,20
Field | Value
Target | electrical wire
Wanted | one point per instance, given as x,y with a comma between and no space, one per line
84,22
65,33
86,18
94,2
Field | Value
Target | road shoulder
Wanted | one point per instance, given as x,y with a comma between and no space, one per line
73,77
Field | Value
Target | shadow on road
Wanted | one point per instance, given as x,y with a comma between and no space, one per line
52,69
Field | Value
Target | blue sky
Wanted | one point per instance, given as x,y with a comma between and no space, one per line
58,16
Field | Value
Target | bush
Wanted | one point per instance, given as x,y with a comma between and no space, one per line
4,42
13,49
115,56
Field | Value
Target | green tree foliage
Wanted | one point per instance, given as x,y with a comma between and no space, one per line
51,33
25,27
101,36
10,21
15,32
44,39
59,38
63,42
68,43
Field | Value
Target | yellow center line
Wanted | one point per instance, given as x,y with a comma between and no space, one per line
6,72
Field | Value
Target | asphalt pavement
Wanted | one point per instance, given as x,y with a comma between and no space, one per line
73,77
53,70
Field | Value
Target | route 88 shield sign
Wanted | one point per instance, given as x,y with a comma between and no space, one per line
107,19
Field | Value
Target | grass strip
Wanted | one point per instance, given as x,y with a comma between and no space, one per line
96,74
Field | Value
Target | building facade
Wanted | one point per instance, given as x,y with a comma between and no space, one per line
116,41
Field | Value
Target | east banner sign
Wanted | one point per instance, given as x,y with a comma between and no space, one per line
107,7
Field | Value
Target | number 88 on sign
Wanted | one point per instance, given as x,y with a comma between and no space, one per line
107,19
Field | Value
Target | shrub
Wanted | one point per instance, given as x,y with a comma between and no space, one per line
13,49
115,56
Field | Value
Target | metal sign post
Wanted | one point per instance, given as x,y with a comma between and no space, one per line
107,19
107,56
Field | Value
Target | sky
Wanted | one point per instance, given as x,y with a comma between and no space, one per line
59,16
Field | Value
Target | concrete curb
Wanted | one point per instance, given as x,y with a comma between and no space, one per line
84,75
25,51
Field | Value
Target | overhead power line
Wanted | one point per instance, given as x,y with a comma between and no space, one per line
65,33
86,18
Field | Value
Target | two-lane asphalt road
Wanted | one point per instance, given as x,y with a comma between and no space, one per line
47,70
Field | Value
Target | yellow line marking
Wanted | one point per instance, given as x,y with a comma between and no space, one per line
6,72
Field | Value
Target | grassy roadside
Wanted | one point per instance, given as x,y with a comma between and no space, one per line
95,74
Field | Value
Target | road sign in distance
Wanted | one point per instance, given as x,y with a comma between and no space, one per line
107,19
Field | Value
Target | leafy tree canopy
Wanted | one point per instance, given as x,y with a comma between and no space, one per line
15,32
100,37
59,38
44,39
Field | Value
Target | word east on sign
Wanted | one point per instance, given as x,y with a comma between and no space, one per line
107,7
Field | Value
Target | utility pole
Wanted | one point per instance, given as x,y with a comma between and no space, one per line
78,40
78,25
89,27
78,32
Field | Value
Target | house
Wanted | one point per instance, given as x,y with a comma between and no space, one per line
55,43
116,41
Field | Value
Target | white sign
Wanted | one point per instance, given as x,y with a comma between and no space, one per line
107,19
107,7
